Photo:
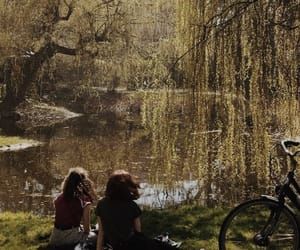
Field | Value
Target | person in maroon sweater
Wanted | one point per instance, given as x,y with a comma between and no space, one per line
72,207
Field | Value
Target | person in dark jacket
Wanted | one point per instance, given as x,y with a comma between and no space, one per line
119,216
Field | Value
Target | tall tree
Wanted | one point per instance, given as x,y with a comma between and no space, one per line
234,38
35,31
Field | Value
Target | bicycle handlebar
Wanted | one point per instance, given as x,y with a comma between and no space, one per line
290,143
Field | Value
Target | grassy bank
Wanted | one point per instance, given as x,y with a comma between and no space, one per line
197,227
14,143
23,231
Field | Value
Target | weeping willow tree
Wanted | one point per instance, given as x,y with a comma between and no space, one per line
248,51
241,46
241,62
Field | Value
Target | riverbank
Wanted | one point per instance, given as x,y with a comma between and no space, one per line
197,227
15,143
33,114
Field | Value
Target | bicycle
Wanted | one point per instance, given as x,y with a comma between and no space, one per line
267,222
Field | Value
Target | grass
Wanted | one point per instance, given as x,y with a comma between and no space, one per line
10,140
23,231
14,143
197,227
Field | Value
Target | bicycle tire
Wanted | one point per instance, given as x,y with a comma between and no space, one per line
244,226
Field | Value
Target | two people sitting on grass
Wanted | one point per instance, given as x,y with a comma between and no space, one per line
118,215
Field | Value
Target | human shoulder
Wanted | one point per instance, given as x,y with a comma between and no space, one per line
136,210
58,199
102,203
133,203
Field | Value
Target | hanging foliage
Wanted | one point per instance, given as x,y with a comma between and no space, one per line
241,46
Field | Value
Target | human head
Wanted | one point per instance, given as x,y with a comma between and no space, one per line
72,181
122,186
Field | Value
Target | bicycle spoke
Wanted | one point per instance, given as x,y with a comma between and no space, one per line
259,225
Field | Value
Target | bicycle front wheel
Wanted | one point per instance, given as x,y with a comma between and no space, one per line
259,224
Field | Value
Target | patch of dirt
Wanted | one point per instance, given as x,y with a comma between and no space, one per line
19,146
36,114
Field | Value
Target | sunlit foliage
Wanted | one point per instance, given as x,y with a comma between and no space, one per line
107,44
241,64
249,47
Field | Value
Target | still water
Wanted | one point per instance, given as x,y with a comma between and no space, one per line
213,149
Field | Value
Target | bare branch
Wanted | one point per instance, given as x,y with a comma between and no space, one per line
107,1
227,9
284,25
103,36
64,50
69,13
107,27
213,22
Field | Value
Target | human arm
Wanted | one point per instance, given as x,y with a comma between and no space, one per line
137,224
86,218
136,216
100,237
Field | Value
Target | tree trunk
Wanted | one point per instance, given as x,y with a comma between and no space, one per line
18,73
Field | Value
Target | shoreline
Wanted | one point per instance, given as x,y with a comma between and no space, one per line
15,143
33,115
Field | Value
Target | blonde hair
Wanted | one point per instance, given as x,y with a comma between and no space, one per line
70,184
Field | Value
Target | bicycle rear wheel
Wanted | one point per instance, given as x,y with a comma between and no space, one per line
259,224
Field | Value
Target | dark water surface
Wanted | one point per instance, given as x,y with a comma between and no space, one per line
217,153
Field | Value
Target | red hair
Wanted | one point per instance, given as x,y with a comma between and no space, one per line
122,186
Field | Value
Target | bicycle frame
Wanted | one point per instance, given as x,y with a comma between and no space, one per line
276,207
262,237
291,193
290,188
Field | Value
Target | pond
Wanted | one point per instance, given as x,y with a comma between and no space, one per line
214,149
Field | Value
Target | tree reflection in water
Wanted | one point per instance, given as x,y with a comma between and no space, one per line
213,152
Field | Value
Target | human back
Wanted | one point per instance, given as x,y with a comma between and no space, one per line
117,212
72,206
119,216
68,211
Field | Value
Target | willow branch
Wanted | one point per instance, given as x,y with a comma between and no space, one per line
64,50
212,23
69,13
